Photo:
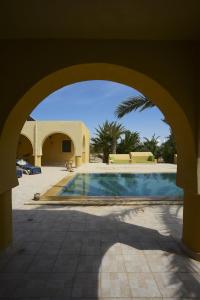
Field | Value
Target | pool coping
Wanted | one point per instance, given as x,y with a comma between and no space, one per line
50,197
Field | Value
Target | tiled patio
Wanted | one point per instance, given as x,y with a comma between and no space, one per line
97,253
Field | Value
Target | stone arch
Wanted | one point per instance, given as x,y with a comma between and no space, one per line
52,152
55,132
25,148
187,173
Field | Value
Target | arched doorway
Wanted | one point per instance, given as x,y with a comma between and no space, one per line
174,113
57,148
25,149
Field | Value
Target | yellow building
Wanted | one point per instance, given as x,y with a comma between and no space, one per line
54,142
152,46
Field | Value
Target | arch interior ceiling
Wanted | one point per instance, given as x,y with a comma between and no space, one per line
127,19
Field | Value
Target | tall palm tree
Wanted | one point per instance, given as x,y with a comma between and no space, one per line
106,138
115,131
129,143
151,145
138,102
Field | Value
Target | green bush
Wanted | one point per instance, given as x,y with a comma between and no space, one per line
151,158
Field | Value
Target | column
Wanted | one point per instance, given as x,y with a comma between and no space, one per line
5,219
83,157
38,160
78,161
191,225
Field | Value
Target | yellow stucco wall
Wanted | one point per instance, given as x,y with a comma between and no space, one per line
25,149
47,152
52,150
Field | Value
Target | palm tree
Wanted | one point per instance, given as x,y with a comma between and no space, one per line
115,131
106,138
168,148
151,145
130,142
138,102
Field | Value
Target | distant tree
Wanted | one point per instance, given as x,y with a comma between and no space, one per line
106,138
151,145
140,102
129,143
168,148
115,132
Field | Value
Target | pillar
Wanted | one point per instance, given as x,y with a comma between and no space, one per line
37,160
78,161
191,225
83,157
5,219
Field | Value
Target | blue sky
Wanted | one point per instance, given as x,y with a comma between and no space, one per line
95,101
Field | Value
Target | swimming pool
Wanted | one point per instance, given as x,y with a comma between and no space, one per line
123,185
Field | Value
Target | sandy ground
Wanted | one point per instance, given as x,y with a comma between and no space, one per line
132,168
31,184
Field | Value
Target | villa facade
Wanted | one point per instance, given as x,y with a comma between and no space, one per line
54,142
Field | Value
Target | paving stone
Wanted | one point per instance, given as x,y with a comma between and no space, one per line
17,264
114,285
171,285
143,285
8,286
192,283
49,248
65,264
70,247
77,226
136,263
137,248
91,247
55,236
89,264
31,247
112,263
168,263
42,263
86,285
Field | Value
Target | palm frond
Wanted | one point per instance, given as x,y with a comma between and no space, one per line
132,104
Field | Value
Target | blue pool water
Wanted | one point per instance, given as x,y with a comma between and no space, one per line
123,184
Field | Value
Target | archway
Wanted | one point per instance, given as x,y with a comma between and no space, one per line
170,107
25,149
57,148
187,171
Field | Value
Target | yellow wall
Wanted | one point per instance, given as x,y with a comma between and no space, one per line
52,150
39,131
25,149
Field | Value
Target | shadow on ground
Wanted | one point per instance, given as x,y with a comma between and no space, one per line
66,253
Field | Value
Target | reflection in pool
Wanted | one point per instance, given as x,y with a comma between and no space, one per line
123,184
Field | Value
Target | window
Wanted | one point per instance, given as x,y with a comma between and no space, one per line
66,146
